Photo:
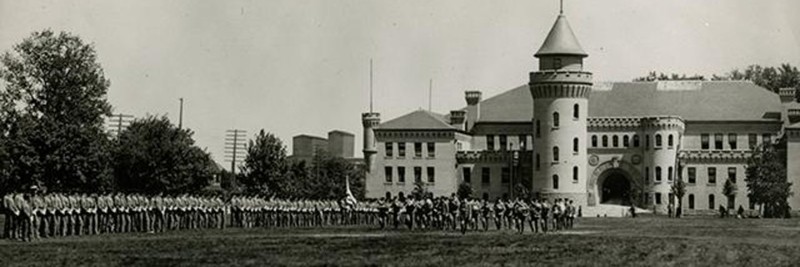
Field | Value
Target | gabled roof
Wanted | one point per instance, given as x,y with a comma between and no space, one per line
561,40
417,120
706,101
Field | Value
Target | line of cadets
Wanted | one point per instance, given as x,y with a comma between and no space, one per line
467,214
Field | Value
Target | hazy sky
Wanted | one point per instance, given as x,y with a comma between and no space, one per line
302,66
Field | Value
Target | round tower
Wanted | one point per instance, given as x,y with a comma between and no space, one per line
663,139
560,91
370,120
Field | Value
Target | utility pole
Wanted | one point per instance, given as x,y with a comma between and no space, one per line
235,147
430,95
118,122
180,116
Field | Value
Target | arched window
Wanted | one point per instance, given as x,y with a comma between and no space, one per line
646,174
575,174
594,141
711,202
538,128
669,141
658,140
658,174
646,142
605,141
576,111
669,174
615,141
538,161
555,153
575,145
635,140
555,119
555,181
691,201
626,142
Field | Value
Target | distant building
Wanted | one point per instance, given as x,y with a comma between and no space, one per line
339,144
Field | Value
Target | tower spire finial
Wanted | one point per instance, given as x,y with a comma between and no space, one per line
561,9
370,85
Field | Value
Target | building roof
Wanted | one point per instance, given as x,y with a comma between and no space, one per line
692,101
561,40
340,132
417,120
307,136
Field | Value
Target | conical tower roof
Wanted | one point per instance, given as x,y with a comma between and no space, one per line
561,41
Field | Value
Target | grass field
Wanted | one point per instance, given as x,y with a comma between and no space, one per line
594,241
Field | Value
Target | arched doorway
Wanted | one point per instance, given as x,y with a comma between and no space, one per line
615,189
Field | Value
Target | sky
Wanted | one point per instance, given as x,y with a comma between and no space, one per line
302,66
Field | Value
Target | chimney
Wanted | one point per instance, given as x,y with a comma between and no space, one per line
787,95
458,119
473,108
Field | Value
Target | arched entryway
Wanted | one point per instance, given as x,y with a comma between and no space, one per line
615,188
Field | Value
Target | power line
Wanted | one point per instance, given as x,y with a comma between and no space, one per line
235,147
119,122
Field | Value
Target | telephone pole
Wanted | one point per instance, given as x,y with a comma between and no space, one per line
180,116
118,122
235,147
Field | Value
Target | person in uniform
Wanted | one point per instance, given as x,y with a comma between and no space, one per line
500,213
466,214
11,212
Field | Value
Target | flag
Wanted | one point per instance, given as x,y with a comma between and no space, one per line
349,198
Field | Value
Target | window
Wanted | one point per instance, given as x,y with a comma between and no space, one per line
691,201
646,174
537,162
401,174
431,150
658,140
556,63
658,174
669,174
387,173
575,174
486,175
718,141
555,181
692,173
752,140
467,173
417,174
732,174
605,141
646,142
635,140
626,141
555,120
594,141
389,149
670,142
523,142
538,128
555,153
712,175
401,150
503,142
704,141
575,145
615,141
711,202
576,111
766,139
505,175
431,175
732,140
417,150
490,142
658,198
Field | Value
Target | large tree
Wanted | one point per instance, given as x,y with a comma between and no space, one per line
766,180
52,111
679,190
265,166
154,156
327,178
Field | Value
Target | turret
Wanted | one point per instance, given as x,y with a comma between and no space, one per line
370,120
473,108
787,95
458,119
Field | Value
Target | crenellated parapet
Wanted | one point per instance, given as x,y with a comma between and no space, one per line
614,122
493,156
560,90
412,134
370,119
715,156
561,76
672,123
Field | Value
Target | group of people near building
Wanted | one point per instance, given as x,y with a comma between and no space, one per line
470,214
252,211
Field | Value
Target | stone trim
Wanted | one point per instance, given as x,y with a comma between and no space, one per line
448,134
560,90
715,156
491,156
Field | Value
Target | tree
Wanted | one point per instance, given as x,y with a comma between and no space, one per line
53,108
464,190
653,76
772,78
766,181
729,190
154,156
265,166
327,178
679,190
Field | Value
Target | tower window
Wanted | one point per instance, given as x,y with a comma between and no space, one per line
658,174
658,140
646,141
635,140
615,141
555,153
538,162
626,141
555,120
646,174
605,141
575,145
594,141
670,141
575,174
555,181
576,111
669,174
538,128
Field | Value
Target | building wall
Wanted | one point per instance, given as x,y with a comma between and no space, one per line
304,146
341,144
793,166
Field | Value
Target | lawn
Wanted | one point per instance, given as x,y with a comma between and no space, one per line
594,241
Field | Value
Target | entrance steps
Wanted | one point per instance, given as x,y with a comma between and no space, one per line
610,210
